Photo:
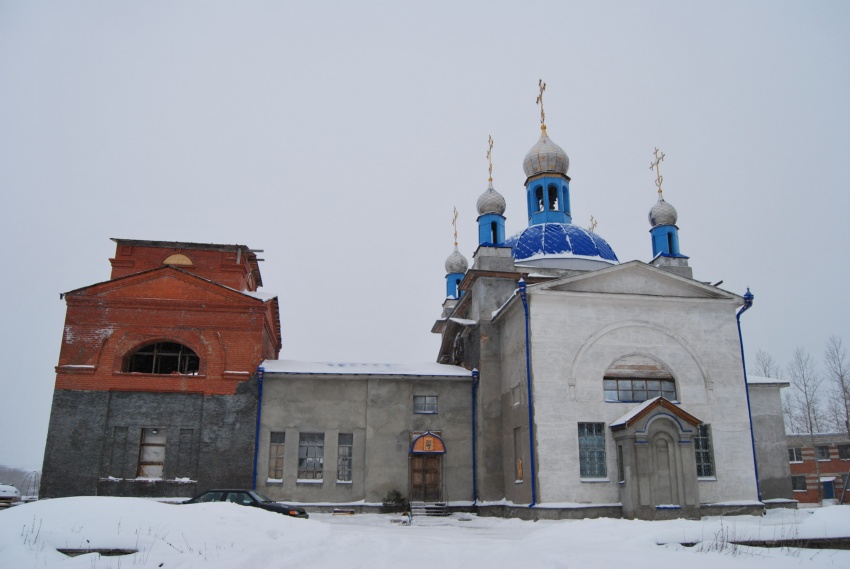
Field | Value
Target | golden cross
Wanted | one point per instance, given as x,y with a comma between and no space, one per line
490,155
656,165
592,224
454,223
542,86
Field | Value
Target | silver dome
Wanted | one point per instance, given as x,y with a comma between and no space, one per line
456,263
545,156
491,201
662,213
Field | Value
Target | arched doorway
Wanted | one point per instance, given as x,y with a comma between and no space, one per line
426,467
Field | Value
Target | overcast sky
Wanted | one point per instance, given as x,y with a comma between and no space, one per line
338,136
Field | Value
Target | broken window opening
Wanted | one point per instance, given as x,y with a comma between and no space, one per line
164,358
151,453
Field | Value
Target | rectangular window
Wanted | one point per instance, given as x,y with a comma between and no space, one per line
591,450
424,403
844,452
798,483
704,455
151,453
518,473
344,453
636,390
276,441
311,456
822,452
795,454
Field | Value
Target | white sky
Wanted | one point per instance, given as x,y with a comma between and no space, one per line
338,137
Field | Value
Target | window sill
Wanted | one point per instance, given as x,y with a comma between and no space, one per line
309,481
594,480
425,413
800,490
518,481
707,478
795,462
274,480
344,482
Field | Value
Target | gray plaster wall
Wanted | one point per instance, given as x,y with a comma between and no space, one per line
378,411
771,443
513,402
94,441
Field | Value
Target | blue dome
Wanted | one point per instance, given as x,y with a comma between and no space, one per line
560,240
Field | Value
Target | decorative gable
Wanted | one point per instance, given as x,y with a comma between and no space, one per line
637,277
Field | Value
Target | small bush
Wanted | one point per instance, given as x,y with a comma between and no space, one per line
394,503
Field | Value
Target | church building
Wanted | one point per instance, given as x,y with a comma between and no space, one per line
567,383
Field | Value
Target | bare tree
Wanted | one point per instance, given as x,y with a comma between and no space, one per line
766,366
838,375
806,398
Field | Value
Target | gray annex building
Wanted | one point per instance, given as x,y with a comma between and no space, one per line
567,384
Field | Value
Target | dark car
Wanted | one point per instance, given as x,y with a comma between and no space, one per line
248,498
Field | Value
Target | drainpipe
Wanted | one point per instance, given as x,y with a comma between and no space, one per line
260,371
522,294
748,302
475,377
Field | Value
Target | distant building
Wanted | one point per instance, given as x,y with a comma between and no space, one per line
819,471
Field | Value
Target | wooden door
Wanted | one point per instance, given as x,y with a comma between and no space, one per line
425,477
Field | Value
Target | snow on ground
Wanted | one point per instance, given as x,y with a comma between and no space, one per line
227,536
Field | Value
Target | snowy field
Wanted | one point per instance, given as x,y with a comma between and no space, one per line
227,536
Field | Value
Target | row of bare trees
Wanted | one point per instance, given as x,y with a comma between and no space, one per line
819,398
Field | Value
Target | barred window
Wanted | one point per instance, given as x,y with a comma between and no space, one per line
822,452
276,456
591,450
795,454
311,456
424,403
344,453
798,483
703,451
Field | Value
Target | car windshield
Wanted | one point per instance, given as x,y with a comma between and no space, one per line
261,497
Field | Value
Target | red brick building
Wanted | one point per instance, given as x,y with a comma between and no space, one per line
156,383
825,464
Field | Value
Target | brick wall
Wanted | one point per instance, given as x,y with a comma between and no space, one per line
834,467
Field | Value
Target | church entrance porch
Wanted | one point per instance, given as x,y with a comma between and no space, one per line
657,465
426,468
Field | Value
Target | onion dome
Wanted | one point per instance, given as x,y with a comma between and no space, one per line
560,240
491,201
545,157
662,213
456,263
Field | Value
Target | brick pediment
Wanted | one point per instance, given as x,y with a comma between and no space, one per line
164,284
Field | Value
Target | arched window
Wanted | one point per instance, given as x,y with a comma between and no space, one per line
178,259
553,198
163,358
638,378
538,193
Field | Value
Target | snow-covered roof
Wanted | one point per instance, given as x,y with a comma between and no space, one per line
634,412
757,379
264,296
463,321
351,368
